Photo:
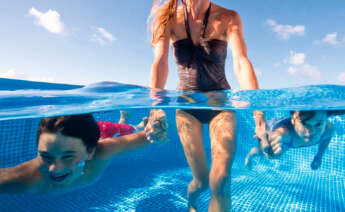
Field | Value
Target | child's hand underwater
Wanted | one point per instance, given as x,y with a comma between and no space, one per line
276,146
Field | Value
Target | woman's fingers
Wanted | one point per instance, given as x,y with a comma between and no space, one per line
157,132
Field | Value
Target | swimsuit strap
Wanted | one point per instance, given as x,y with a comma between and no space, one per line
186,23
204,25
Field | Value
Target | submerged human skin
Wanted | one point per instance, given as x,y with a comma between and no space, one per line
223,25
110,129
67,162
302,129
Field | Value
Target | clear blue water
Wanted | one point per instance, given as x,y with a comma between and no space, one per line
155,178
30,102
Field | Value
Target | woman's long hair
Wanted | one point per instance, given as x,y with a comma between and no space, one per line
160,16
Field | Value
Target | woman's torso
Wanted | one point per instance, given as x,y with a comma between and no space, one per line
200,49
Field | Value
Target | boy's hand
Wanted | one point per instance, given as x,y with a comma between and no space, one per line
316,163
275,142
270,144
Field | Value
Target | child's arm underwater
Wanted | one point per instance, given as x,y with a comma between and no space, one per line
322,148
275,140
21,178
155,132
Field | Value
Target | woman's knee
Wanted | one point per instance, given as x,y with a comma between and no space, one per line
220,183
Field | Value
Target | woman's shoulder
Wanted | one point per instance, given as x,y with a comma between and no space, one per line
225,13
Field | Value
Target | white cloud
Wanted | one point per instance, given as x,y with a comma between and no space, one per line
331,39
102,36
107,35
97,39
13,74
341,77
285,31
49,20
299,67
296,58
305,70
8,74
276,65
292,70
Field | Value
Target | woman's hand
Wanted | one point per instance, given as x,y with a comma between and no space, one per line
156,128
262,136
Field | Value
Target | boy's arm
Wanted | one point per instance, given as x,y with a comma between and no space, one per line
156,130
21,178
109,147
322,148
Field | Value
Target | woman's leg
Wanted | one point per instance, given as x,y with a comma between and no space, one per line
223,136
190,132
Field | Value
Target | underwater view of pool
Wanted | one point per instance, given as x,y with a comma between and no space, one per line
155,178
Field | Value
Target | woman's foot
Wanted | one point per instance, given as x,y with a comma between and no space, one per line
195,188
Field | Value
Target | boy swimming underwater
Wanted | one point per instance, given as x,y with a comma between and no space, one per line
301,129
71,154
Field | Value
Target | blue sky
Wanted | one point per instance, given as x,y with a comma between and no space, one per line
290,43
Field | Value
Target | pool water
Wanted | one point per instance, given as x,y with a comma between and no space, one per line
155,178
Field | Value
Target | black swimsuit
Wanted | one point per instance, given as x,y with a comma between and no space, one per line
201,67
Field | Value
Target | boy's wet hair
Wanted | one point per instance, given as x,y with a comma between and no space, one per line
335,112
81,126
305,115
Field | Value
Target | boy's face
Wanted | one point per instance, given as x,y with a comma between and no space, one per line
62,157
312,129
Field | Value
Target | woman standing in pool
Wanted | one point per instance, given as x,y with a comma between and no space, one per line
199,32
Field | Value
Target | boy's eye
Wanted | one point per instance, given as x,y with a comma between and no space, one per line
306,125
46,158
69,157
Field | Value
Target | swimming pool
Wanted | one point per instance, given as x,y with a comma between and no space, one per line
155,178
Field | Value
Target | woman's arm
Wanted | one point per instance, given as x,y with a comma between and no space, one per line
245,74
160,67
21,178
243,68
